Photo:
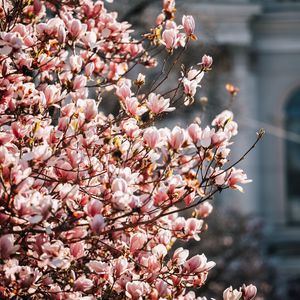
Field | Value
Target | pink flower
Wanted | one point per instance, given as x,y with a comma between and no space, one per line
169,38
123,92
158,104
162,288
79,82
119,185
177,138
89,108
132,105
61,34
223,118
75,63
137,241
193,227
164,236
180,255
194,132
206,62
237,176
160,19
97,224
75,28
188,25
151,137
204,209
99,267
249,292
121,266
197,264
206,137
89,69
135,290
7,247
77,250
160,251
94,207
230,294
52,94
83,284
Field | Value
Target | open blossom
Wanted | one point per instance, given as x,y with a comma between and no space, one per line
198,263
206,62
158,104
137,241
83,284
249,291
236,177
7,246
204,209
192,228
97,224
230,294
135,290
180,255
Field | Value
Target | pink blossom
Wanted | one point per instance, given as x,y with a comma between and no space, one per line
162,288
123,92
61,34
188,23
89,69
121,266
160,251
137,241
169,38
160,19
180,255
119,184
83,284
135,290
197,264
79,82
249,291
97,224
221,119
206,62
99,267
94,207
192,227
158,104
7,247
77,250
177,138
75,63
230,294
151,137
194,132
204,209
75,28
237,176
206,137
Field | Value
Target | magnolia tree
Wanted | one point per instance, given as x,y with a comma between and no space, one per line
90,204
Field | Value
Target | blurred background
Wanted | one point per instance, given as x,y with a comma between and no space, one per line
254,237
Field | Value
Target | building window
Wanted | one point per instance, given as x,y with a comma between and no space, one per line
292,111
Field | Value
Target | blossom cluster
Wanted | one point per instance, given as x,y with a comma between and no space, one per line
90,203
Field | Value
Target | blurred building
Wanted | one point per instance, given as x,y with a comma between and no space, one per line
256,46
